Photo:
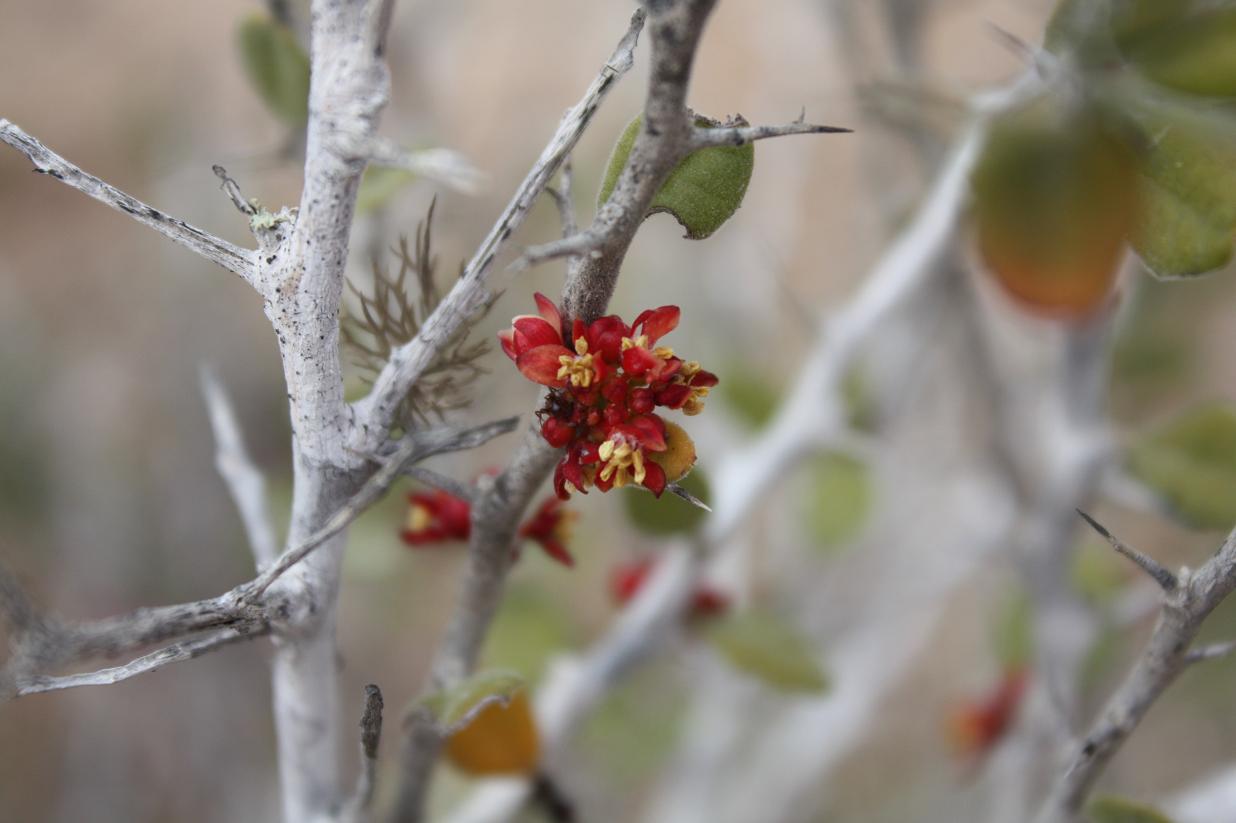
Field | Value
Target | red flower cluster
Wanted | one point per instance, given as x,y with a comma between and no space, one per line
607,378
439,517
626,580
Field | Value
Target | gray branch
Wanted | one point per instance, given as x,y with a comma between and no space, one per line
703,137
229,256
1165,656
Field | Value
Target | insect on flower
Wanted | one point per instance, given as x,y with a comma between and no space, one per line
606,380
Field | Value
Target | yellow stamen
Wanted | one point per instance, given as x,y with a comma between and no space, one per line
419,518
640,342
663,352
623,462
579,370
581,346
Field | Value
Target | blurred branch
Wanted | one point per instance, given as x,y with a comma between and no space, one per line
445,166
244,481
1165,656
231,257
1166,580
376,412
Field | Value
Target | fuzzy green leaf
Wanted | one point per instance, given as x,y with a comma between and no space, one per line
1119,810
1173,238
702,192
1191,462
1194,53
277,67
453,709
765,647
668,514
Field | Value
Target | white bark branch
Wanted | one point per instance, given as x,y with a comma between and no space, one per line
733,135
231,257
445,166
243,479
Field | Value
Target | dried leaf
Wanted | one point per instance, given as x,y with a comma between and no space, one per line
453,709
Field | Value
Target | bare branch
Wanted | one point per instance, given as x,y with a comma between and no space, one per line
1162,660
376,412
707,136
229,256
232,189
440,481
1166,580
175,653
244,481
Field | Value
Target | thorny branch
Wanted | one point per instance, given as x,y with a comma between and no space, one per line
1185,607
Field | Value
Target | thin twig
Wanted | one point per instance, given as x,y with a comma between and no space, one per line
445,166
1166,580
1212,652
359,807
243,478
229,256
708,136
175,653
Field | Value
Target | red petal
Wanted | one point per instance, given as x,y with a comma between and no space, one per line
546,308
540,365
704,378
639,360
627,579
650,430
654,478
674,396
557,551
657,322
536,332
506,338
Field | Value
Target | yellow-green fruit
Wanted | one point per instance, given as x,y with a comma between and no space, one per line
679,454
501,740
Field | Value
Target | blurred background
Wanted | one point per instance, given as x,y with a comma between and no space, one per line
109,499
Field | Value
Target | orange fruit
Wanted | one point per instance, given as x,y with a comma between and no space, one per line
501,740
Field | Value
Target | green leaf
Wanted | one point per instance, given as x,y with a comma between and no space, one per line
277,67
1193,53
1054,199
765,647
379,185
453,709
840,498
1119,810
702,192
1191,462
668,514
1173,238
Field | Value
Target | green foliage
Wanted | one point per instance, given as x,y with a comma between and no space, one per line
770,650
277,68
1163,74
668,514
453,709
379,185
1191,462
702,192
840,498
1119,810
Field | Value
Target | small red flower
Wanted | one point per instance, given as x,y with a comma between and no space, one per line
436,517
626,580
440,517
606,380
550,528
978,725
